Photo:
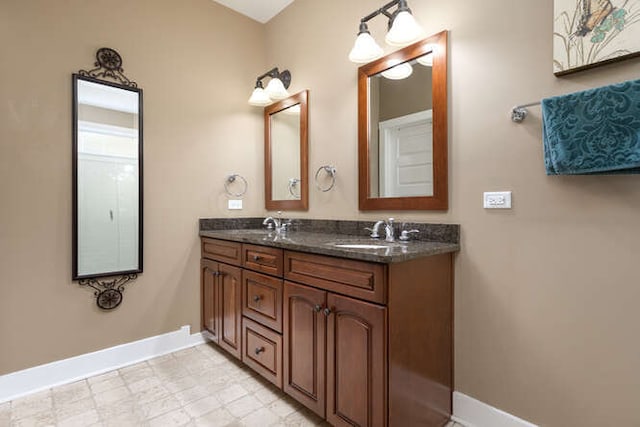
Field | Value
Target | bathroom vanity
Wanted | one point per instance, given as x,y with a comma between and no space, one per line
358,330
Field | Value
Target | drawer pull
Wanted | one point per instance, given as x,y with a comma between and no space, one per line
327,311
256,258
259,350
317,308
257,298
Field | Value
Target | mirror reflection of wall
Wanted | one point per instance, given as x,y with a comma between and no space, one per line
400,134
107,179
285,153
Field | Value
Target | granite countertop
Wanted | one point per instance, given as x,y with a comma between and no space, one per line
324,242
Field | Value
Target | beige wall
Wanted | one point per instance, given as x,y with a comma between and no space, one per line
546,317
546,293
196,76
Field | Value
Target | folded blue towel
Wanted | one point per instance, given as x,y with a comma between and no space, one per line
595,131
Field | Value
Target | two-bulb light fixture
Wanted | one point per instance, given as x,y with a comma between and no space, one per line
403,30
276,88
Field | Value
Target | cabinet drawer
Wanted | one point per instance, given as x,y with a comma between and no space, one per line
262,299
360,279
263,259
262,351
222,250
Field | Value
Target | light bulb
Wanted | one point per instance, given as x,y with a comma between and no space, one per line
398,72
259,98
276,90
426,60
365,49
404,31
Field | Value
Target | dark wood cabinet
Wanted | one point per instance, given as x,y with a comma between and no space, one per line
359,343
304,345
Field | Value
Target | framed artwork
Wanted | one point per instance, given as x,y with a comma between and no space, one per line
589,33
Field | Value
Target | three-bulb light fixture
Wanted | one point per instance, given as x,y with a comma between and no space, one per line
403,30
276,88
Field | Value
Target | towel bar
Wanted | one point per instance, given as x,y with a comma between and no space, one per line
519,112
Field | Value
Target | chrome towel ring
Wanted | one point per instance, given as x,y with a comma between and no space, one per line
331,171
230,180
293,183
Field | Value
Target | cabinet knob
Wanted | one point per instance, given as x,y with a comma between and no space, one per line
256,257
259,350
317,308
257,298
216,273
327,311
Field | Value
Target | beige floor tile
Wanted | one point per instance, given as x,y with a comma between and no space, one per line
160,359
203,406
46,418
124,420
102,377
32,405
159,407
261,418
268,394
151,394
191,394
244,406
5,414
71,392
185,352
284,407
138,374
106,385
172,419
81,420
111,396
302,418
231,393
71,409
218,418
178,384
144,384
122,409
253,384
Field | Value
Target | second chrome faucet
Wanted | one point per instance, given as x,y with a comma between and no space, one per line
389,231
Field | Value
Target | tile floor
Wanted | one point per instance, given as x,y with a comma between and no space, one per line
199,386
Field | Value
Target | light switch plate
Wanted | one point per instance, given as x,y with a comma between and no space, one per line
497,200
235,204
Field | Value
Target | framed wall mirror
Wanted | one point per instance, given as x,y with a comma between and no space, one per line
286,153
107,180
402,129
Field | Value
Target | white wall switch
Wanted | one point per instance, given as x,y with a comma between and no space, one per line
497,200
235,204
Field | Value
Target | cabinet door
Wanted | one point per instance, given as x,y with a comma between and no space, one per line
210,298
230,332
356,363
304,346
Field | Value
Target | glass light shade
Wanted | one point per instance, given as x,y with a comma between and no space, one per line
259,98
405,30
398,72
294,110
365,49
426,60
276,90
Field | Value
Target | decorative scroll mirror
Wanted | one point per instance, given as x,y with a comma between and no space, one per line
285,154
107,178
402,128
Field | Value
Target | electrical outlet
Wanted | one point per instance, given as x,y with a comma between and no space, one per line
497,200
235,204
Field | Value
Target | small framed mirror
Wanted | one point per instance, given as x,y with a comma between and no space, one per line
107,179
286,153
402,129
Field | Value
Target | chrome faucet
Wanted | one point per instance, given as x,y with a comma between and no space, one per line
389,231
276,224
375,231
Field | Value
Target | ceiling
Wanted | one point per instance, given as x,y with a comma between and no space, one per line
259,10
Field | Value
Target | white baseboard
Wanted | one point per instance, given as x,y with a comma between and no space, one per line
21,383
473,413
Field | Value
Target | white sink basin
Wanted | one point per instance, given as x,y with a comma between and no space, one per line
356,246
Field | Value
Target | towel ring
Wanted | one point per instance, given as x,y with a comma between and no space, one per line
330,170
230,180
293,183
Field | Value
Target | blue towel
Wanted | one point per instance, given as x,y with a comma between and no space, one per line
595,131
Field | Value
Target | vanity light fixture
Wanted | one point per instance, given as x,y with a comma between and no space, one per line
398,72
403,30
276,88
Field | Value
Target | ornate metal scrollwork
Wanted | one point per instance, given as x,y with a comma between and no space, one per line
108,65
108,292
